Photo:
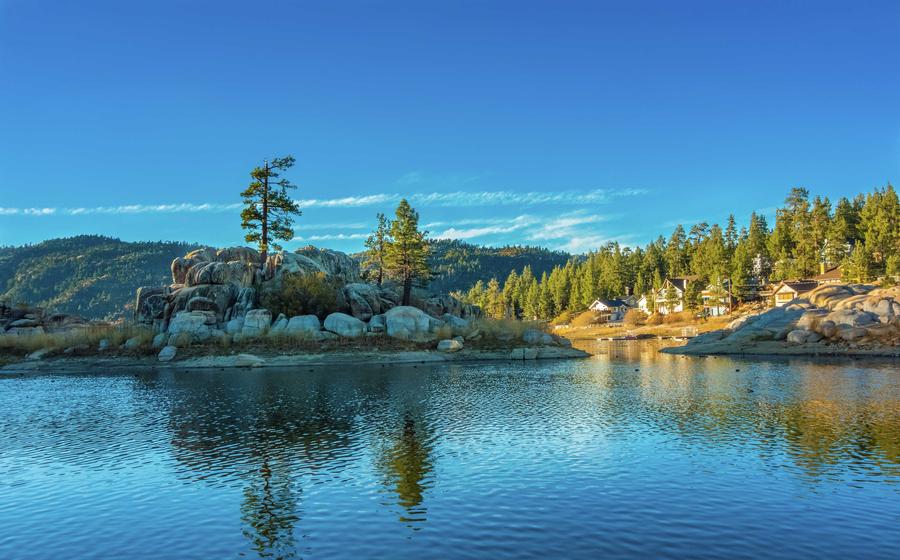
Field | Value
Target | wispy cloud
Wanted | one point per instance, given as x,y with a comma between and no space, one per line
332,237
490,227
437,199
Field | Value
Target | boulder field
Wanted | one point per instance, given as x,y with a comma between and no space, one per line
843,319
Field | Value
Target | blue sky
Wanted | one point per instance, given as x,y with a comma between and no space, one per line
562,124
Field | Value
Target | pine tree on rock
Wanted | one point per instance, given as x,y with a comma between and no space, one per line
269,212
377,247
407,253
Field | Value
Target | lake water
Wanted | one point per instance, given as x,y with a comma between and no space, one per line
628,454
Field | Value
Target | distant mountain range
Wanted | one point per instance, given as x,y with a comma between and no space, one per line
96,277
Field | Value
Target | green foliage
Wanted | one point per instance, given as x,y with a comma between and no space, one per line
302,294
87,275
269,211
376,249
806,235
406,255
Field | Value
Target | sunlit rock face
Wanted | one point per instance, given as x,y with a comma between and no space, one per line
227,284
828,317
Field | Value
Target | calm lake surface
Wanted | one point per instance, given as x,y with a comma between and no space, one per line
628,454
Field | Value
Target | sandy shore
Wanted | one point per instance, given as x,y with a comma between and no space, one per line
337,358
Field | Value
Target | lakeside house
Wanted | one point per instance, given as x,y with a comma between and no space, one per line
670,297
829,276
789,290
610,310
717,299
644,305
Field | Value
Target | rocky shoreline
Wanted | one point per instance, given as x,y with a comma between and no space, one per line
311,359
850,320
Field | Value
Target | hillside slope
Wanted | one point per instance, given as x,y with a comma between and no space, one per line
458,265
96,276
88,275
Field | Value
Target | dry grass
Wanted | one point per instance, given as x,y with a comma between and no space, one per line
88,337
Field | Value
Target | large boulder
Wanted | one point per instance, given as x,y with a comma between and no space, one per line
167,354
198,325
410,323
279,326
303,325
363,299
150,304
458,325
256,322
798,336
235,272
450,345
311,260
851,318
850,334
345,325
223,295
535,337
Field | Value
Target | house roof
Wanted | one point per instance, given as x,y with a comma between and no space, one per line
798,286
833,273
610,302
681,282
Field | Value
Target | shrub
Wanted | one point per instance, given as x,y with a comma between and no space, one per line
634,317
302,294
655,319
681,317
504,329
564,318
586,319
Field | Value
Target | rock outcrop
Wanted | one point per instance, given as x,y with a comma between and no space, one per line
830,319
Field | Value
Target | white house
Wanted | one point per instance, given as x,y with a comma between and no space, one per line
610,310
644,305
677,286
717,299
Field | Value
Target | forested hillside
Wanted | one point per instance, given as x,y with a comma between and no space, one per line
88,275
458,265
96,276
862,235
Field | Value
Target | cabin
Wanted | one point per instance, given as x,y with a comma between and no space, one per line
610,310
717,299
829,276
679,286
788,290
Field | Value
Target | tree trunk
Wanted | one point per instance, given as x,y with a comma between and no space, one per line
407,289
264,245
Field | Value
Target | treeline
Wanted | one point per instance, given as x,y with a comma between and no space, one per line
862,235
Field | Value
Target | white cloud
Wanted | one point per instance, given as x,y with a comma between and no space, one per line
440,199
331,237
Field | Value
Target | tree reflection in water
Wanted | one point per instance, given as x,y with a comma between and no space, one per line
406,465
269,511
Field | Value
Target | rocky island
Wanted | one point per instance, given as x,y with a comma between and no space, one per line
312,306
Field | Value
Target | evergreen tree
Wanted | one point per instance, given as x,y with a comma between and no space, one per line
880,224
858,267
377,247
269,212
407,253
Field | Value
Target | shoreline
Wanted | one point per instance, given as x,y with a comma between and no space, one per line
319,359
778,348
